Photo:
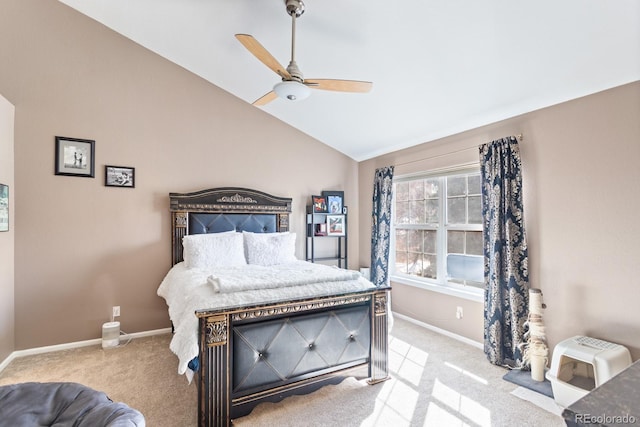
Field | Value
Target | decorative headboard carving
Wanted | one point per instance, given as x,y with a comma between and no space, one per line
235,205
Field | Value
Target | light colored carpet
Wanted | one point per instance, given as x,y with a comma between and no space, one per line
436,381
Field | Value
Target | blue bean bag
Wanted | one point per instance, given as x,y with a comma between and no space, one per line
63,404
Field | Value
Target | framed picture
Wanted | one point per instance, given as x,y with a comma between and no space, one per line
4,207
321,229
335,201
75,157
319,204
335,225
119,176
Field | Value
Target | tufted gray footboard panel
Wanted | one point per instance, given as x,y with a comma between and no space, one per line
281,351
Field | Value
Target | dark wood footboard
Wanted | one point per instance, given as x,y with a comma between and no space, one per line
250,355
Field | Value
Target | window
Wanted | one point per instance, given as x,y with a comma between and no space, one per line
438,230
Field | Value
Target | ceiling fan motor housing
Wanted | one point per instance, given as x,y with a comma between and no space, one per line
294,7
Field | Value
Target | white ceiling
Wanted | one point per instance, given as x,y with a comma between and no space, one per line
437,67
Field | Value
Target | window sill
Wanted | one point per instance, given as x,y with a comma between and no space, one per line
471,294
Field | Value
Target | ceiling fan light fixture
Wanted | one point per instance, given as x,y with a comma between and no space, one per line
292,91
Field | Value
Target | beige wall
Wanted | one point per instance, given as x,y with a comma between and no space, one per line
7,342
582,198
82,247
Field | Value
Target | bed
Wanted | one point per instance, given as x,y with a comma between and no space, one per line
268,327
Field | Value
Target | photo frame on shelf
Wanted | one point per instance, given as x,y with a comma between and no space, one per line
319,204
4,207
320,229
335,225
335,201
119,176
75,157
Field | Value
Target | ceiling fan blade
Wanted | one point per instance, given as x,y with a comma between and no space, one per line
339,85
265,99
263,55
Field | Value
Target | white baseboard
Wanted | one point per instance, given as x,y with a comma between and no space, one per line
440,331
77,344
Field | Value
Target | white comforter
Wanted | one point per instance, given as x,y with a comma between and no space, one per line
187,290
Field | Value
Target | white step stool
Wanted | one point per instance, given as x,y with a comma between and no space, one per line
581,364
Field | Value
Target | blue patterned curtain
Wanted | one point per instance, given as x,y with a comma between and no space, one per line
506,275
381,225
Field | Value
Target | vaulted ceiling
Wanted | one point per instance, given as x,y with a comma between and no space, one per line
437,67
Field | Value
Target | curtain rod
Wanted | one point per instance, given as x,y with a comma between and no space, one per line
518,136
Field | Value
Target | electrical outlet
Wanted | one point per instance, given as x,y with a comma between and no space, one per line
116,311
459,313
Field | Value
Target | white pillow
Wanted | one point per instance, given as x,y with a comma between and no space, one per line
213,250
269,248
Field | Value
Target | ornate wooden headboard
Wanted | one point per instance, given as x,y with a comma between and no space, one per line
225,209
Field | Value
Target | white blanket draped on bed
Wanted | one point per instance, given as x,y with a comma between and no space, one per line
187,290
249,277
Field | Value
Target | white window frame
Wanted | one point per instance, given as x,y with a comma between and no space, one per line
442,285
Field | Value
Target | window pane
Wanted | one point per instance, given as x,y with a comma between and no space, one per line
402,191
432,211
401,240
401,251
401,262
432,188
402,212
430,242
414,240
455,242
456,211
474,242
456,186
416,190
414,264
430,268
474,184
418,213
475,210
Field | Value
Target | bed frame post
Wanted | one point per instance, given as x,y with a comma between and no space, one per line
214,391
379,362
180,229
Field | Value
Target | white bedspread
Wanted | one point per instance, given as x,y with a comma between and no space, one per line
187,290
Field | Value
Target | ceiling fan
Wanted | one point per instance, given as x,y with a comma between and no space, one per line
294,87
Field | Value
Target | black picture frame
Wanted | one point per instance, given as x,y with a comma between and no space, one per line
4,207
334,200
318,204
75,157
119,176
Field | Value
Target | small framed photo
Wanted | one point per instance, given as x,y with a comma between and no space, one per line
319,204
4,207
335,225
321,229
335,201
75,157
119,176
